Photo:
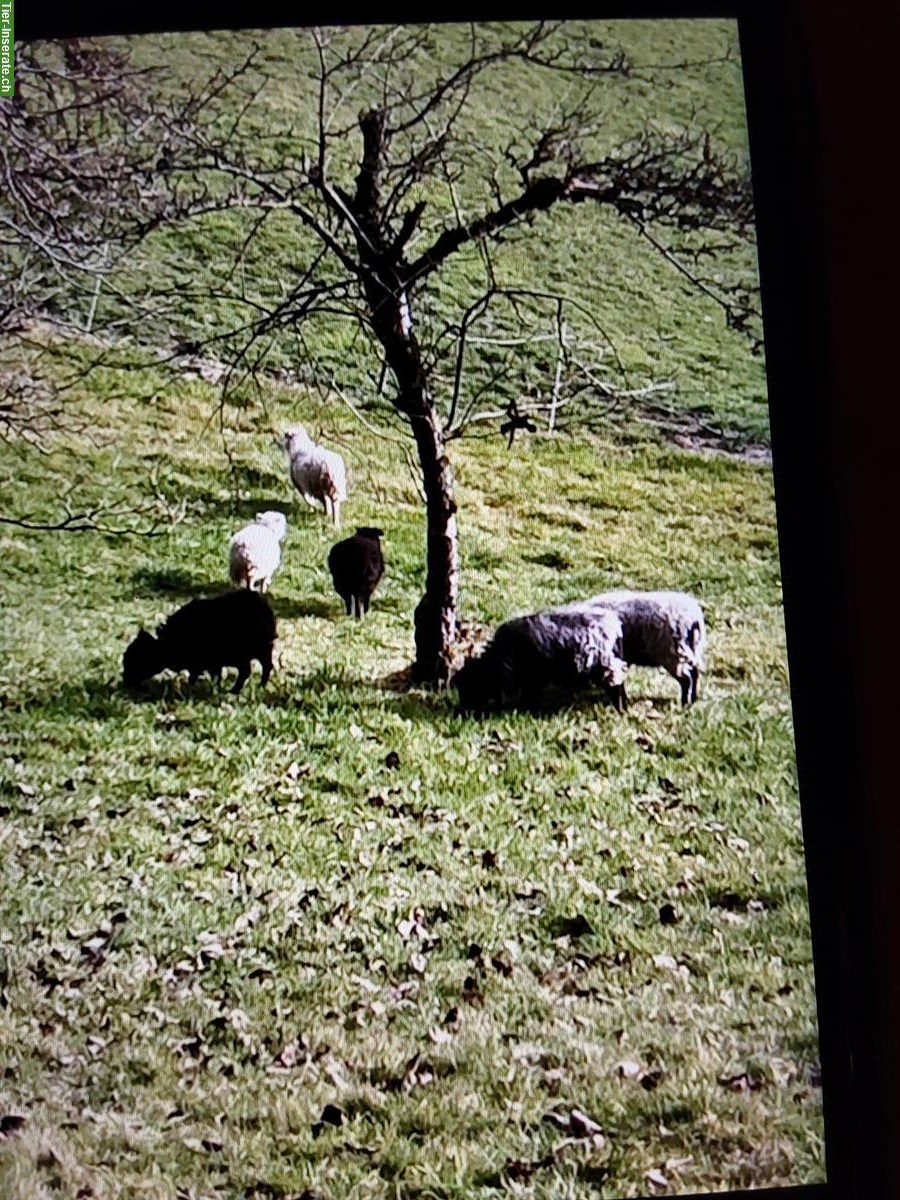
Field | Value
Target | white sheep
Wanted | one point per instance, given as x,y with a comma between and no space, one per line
255,551
319,475
659,629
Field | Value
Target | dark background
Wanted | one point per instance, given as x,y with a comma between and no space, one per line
824,111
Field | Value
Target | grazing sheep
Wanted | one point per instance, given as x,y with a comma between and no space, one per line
319,475
356,566
255,552
659,629
207,635
572,647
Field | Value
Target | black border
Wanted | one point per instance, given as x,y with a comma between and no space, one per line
781,74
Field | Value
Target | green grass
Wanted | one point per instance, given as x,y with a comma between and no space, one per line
219,915
656,324
222,914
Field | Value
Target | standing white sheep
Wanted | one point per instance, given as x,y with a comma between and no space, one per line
319,475
255,552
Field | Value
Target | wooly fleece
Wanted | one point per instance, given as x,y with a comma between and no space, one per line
207,635
319,475
660,629
570,648
255,551
357,566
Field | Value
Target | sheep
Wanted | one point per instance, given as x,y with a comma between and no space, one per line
229,630
255,551
319,475
660,629
572,647
357,565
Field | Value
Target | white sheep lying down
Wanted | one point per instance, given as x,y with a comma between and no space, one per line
255,551
659,629
319,475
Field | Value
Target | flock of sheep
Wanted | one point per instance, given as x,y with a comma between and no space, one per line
589,642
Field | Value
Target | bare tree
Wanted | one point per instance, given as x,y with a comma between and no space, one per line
76,147
390,184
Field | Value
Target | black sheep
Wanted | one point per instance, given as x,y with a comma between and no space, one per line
356,566
570,648
230,630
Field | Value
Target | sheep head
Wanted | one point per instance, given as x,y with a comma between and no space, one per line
476,684
275,521
296,438
140,660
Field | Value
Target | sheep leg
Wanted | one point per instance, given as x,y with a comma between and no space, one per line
310,500
359,607
336,513
266,662
618,697
242,677
695,684
365,603
685,683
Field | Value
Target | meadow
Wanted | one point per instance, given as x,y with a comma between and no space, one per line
329,938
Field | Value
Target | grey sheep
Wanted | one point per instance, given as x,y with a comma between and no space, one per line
572,647
659,629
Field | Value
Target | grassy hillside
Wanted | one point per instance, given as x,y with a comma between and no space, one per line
223,915
328,938
654,322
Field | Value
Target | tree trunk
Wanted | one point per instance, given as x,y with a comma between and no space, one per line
435,616
388,299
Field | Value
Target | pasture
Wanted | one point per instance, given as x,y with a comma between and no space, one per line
222,915
328,938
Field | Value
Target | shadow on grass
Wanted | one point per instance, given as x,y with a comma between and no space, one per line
182,585
173,582
246,510
89,698
283,606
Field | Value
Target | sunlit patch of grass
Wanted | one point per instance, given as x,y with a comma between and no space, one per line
223,914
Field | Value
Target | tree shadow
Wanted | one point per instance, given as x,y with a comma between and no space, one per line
181,584
283,606
95,699
246,510
173,582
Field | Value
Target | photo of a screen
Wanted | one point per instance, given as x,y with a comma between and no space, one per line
398,793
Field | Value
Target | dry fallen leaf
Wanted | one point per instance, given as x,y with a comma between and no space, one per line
574,927
741,1083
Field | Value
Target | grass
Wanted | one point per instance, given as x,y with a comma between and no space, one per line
654,322
221,915
329,938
